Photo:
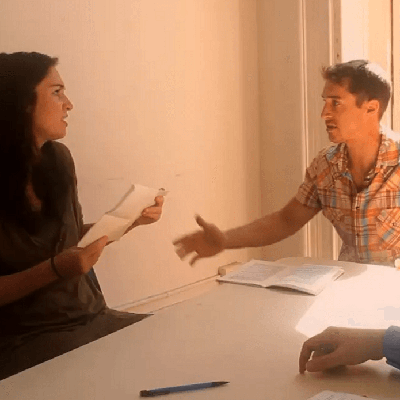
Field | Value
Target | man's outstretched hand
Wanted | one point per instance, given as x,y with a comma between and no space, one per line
205,243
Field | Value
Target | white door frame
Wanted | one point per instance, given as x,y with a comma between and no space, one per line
321,24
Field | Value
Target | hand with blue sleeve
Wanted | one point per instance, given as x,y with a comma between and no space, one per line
342,346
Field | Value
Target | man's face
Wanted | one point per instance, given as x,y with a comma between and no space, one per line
51,109
344,120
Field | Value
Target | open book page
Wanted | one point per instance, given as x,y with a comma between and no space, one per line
115,222
310,278
328,395
256,273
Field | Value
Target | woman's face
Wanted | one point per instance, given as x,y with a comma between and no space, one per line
51,109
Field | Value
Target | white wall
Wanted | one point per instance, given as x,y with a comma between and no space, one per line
166,95
321,48
282,112
366,30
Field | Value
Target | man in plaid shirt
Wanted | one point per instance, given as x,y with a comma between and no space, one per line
354,181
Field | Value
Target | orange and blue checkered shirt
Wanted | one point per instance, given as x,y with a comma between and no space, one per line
367,221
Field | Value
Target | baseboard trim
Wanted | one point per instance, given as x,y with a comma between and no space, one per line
159,301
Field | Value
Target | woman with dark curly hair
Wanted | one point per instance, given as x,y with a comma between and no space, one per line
49,304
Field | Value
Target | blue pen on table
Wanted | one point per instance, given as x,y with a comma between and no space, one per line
183,388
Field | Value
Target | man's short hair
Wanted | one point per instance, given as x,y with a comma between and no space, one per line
366,80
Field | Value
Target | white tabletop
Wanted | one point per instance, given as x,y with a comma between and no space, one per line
248,336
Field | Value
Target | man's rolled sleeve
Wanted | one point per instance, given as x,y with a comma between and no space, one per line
391,346
308,192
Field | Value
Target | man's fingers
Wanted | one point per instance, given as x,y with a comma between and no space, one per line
194,260
212,235
305,355
178,241
322,363
303,359
181,252
185,245
200,221
187,242
315,344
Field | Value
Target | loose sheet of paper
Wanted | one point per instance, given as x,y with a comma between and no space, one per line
134,201
328,395
115,222
109,225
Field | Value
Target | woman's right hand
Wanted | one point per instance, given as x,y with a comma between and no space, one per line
77,261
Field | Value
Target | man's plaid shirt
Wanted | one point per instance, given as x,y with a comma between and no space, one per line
368,222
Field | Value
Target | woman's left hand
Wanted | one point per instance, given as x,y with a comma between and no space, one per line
150,214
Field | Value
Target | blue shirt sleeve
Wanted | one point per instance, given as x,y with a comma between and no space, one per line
391,346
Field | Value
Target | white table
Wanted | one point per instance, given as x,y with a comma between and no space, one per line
248,336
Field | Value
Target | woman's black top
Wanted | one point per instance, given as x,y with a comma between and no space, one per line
63,315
